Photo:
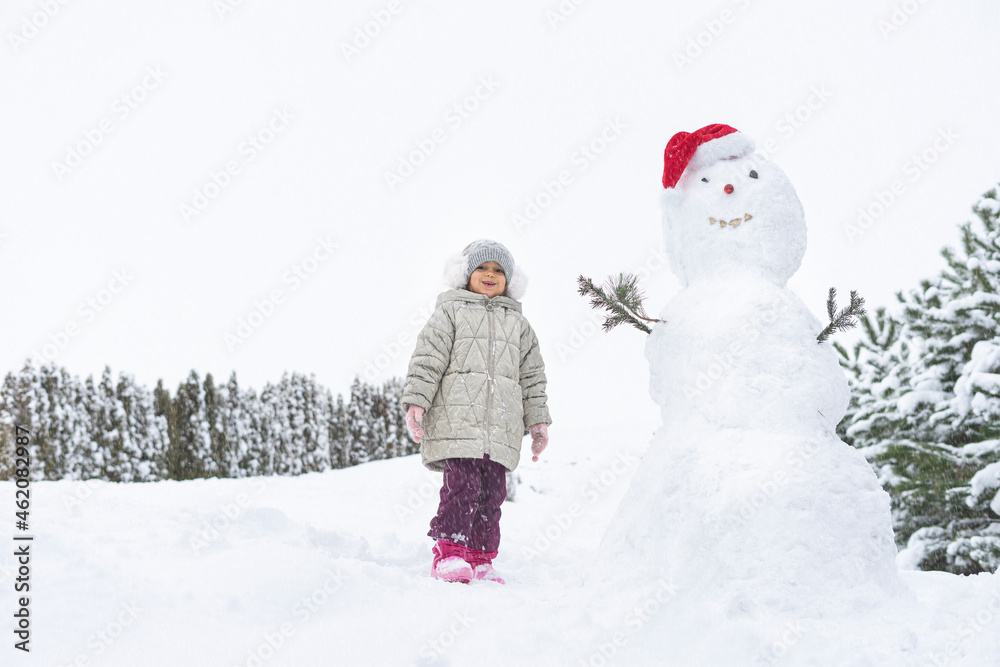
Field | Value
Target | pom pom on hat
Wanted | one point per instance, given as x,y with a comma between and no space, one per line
459,267
701,148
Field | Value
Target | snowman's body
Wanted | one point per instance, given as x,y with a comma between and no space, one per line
746,492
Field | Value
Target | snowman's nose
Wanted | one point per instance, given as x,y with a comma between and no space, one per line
729,189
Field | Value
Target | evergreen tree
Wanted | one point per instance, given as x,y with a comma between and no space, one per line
377,416
395,443
129,443
34,411
398,441
312,429
233,424
48,402
359,431
163,410
270,432
337,428
87,460
238,430
275,427
878,369
50,419
12,414
279,431
220,460
71,421
299,432
147,433
188,453
110,431
245,427
928,405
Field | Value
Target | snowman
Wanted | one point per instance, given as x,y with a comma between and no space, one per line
747,499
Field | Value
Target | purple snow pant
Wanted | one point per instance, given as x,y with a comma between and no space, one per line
469,513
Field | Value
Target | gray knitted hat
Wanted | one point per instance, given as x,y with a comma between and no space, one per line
460,267
480,252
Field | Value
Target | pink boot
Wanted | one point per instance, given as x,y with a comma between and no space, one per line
452,568
482,565
485,572
449,564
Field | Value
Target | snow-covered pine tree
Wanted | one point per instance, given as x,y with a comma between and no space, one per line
928,406
46,399
378,424
8,422
232,422
338,432
163,409
276,431
309,424
87,459
102,427
968,363
48,402
76,426
359,410
13,413
70,420
270,431
188,454
398,441
121,457
220,458
300,436
33,411
247,424
975,281
282,410
146,431
241,436
113,430
878,368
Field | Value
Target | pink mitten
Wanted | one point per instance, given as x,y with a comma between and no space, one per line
413,416
539,439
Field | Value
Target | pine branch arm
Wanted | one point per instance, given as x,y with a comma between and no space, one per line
843,320
620,297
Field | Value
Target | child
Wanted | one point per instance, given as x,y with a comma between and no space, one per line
475,386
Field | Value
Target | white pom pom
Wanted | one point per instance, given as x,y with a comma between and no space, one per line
456,271
517,285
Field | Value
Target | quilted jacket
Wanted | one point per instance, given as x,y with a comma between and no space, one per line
479,376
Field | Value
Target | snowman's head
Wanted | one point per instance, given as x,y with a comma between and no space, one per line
728,210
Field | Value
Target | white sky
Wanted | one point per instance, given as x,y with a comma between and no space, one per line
309,133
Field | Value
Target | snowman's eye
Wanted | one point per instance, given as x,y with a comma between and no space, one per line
753,174
704,180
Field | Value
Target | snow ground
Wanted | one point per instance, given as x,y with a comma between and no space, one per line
332,569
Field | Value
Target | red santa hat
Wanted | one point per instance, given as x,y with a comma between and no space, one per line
701,148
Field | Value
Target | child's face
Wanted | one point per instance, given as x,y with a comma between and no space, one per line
488,279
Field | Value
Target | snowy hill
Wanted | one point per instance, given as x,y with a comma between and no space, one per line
333,569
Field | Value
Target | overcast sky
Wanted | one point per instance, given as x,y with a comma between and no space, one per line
264,186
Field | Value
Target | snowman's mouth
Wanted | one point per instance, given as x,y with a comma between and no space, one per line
735,222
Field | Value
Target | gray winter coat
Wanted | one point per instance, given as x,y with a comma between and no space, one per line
479,376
